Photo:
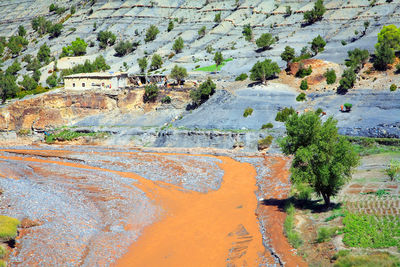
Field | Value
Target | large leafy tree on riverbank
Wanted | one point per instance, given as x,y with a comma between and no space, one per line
322,158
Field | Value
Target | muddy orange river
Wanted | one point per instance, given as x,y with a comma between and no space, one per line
118,207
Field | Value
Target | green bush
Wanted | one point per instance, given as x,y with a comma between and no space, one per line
316,13
330,76
99,64
43,54
348,106
303,191
247,112
348,79
318,44
156,62
265,142
241,77
366,260
284,114
288,227
262,71
151,33
8,228
178,73
384,55
319,111
28,83
52,80
217,17
178,45
203,93
301,97
170,26
166,100
304,85
38,90
393,169
3,251
106,38
202,31
303,72
55,30
325,234
344,42
393,87
265,41
267,126
247,32
150,93
77,48
123,48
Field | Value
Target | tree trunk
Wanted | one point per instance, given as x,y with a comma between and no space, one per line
327,199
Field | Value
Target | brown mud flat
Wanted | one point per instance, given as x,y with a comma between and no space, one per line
191,228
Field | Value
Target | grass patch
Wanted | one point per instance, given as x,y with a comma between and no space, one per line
8,228
68,135
365,146
288,227
267,126
265,142
371,231
3,251
335,214
214,67
379,193
325,234
345,259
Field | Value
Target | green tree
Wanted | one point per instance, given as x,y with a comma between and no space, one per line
52,80
318,44
262,71
348,79
288,55
217,17
178,45
265,41
13,68
289,11
247,32
304,85
36,75
357,58
123,48
72,10
151,33
40,25
142,64
21,31
106,38
178,73
28,83
170,26
330,76
202,32
43,54
203,93
390,35
8,87
322,158
150,93
384,55
78,47
55,30
53,7
156,62
316,13
218,59
16,43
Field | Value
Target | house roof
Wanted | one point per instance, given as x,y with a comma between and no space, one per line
96,75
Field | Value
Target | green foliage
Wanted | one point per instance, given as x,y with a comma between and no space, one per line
166,100
357,58
170,26
151,33
178,45
264,143
52,7
43,54
284,114
384,55
13,68
28,83
150,93
214,66
289,11
262,71
106,38
288,54
348,106
318,44
301,97
316,13
218,59
302,191
343,42
3,252
267,126
203,93
241,77
8,87
303,72
178,73
77,48
288,227
389,35
40,25
21,31
209,49
68,135
99,64
55,30
393,169
393,87
38,90
370,231
348,79
8,228
247,112
247,32
72,10
202,31
57,9
330,76
142,64
325,234
303,85
367,260
16,43
265,41
52,80
217,17
34,64
36,75
123,48
322,158
156,62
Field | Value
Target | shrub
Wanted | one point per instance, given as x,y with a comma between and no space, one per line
217,17
99,64
301,97
288,54
344,42
40,25
142,64
178,73
8,228
262,71
52,80
284,114
150,93
393,87
247,112
77,48
202,31
348,79
267,126
330,76
393,169
156,62
289,11
72,10
178,45
318,44
288,227
13,68
209,49
28,83
43,54
16,43
325,234
218,58
21,31
3,252
151,33
247,32
357,58
123,48
106,38
389,35
303,72
304,85
55,30
348,106
265,41
368,260
384,55
166,100
241,77
203,93
265,142
319,111
170,26
8,86
316,13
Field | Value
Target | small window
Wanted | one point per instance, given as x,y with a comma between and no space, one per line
102,84
83,84
73,85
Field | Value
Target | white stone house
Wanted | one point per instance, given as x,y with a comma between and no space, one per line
96,80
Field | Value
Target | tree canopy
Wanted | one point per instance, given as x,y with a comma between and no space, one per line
318,44
178,45
203,93
151,33
218,59
8,87
384,55
265,41
156,62
316,13
389,34
262,71
288,54
142,64
322,158
106,38
178,73
43,54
